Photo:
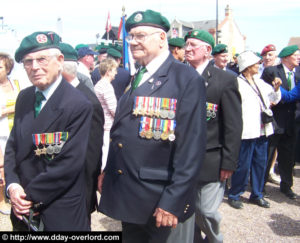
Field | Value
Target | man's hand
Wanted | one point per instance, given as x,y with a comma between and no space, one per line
276,83
225,174
164,218
100,181
19,204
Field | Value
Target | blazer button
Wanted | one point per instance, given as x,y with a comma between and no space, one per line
120,145
110,140
120,172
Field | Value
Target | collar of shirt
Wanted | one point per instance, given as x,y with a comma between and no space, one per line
201,68
75,82
50,90
154,65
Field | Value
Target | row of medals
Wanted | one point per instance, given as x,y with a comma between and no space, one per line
51,149
211,110
157,133
154,106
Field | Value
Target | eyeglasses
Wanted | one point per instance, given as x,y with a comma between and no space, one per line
42,61
140,38
193,46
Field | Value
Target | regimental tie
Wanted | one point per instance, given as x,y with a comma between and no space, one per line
289,80
39,97
138,78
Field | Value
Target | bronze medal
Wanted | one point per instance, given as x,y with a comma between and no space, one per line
164,136
37,151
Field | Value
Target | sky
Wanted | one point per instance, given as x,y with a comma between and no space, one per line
261,21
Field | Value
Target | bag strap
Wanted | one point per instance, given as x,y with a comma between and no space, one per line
257,91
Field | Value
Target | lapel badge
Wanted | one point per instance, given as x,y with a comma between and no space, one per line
157,83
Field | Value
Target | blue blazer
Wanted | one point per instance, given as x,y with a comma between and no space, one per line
143,174
57,184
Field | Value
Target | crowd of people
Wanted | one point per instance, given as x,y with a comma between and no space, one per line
162,147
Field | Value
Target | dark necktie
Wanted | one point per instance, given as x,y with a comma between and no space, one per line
38,102
289,80
138,78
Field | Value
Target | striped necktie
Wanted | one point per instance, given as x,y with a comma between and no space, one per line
138,78
39,97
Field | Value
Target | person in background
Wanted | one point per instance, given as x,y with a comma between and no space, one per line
176,47
9,90
221,58
93,159
157,141
45,153
86,61
257,97
224,127
233,65
269,56
106,95
284,114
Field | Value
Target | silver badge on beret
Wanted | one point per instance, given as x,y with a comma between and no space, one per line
138,17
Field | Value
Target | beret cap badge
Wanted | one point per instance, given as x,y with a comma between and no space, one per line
41,38
138,17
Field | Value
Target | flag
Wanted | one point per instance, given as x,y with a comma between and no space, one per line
108,24
120,32
125,44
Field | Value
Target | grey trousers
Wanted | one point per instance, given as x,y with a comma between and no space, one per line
208,201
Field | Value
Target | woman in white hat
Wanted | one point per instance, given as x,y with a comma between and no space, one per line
257,98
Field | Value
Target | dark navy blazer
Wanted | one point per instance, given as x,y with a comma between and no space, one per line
58,184
143,174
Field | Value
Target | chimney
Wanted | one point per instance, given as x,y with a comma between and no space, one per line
228,12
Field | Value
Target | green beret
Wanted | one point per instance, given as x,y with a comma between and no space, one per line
220,48
179,42
69,52
77,47
147,18
114,53
287,51
201,35
37,41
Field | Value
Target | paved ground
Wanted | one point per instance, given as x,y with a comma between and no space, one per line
280,223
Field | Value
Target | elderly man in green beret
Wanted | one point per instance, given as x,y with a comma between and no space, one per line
221,58
284,114
45,153
176,47
157,141
224,128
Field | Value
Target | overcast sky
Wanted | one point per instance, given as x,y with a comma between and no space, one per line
261,21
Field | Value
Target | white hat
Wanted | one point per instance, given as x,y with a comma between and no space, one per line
247,59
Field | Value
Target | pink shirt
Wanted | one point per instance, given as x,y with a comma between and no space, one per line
106,95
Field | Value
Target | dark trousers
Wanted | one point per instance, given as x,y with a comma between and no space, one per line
145,233
285,144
